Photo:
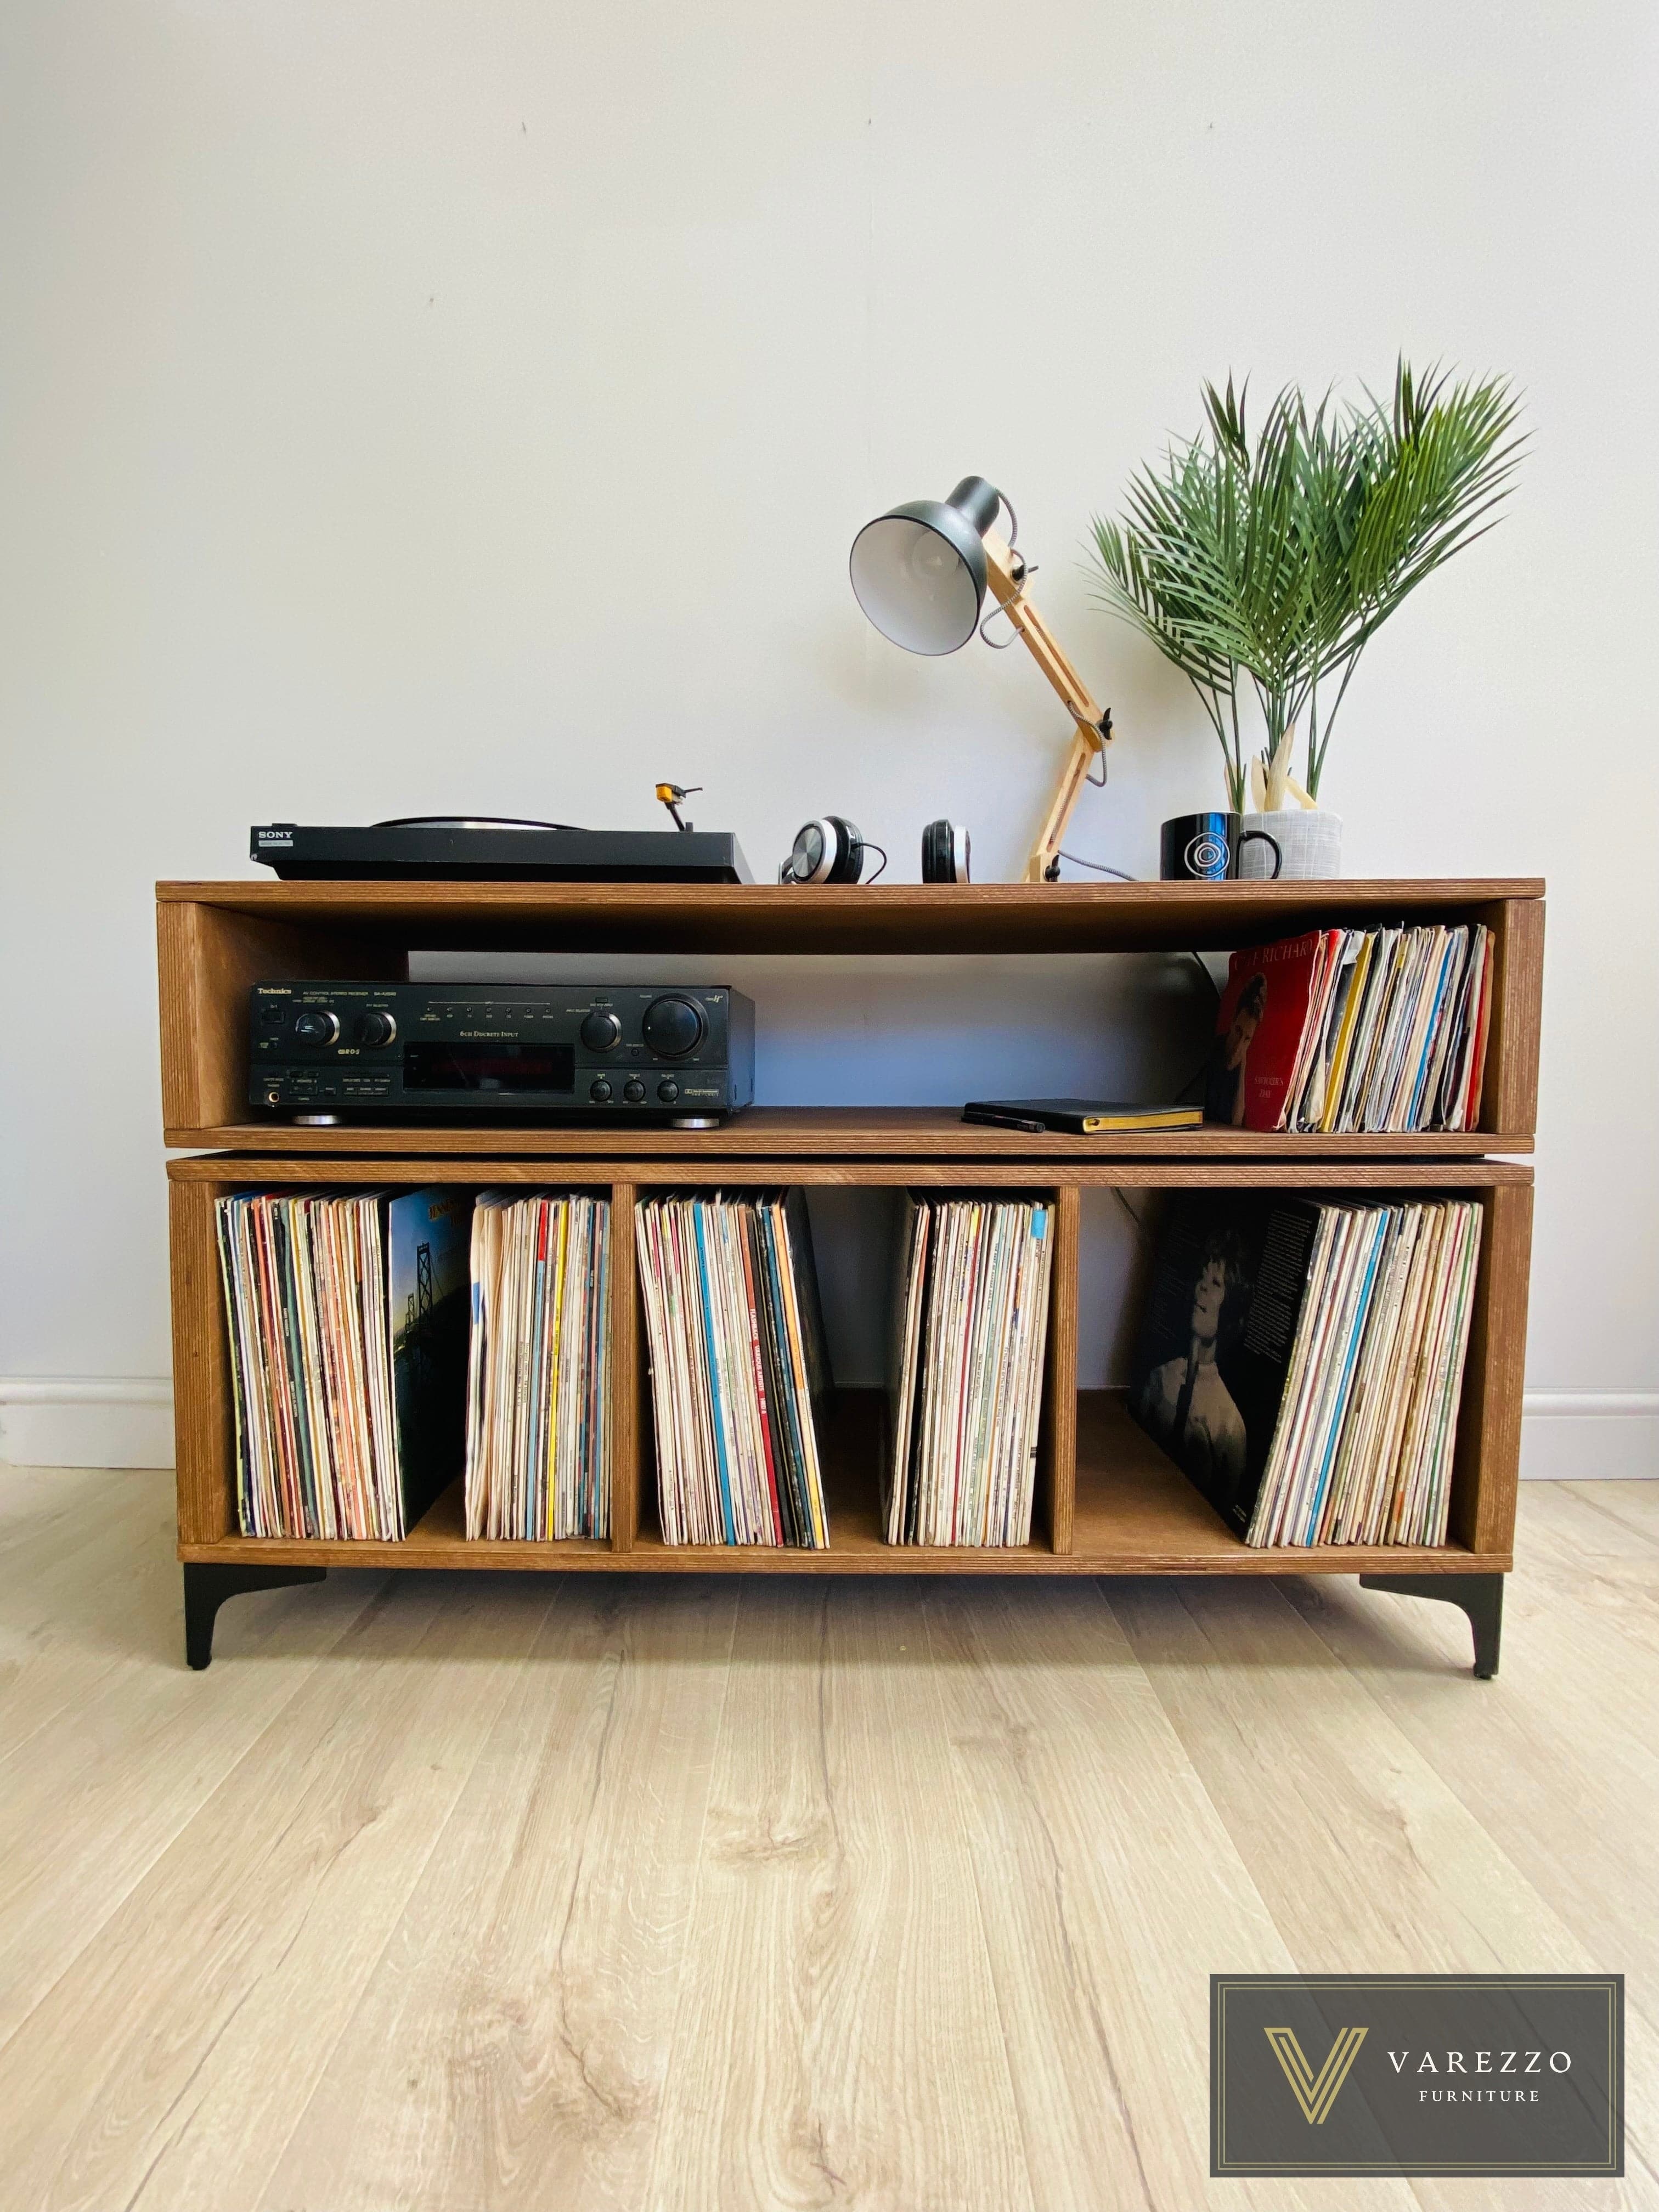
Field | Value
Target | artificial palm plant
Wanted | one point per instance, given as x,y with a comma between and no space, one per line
1281,559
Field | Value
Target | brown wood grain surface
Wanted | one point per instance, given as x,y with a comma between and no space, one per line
203,1415
1509,1105
846,918
1108,1501
237,1171
1487,1465
835,1132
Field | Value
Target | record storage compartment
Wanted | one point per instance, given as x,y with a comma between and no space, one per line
1107,1500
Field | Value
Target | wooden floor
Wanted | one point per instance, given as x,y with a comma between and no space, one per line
466,1891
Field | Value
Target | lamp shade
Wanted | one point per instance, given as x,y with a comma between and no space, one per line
919,570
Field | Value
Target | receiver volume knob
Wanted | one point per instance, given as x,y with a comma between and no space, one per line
600,1031
317,1025
673,1027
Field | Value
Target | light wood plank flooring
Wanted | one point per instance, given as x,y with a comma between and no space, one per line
457,1893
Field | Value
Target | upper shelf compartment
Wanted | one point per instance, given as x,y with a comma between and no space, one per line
214,939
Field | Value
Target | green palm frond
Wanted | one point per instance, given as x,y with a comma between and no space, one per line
1281,556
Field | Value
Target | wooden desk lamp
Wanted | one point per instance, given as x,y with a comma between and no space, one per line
920,572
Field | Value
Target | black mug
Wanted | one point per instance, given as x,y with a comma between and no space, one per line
1204,849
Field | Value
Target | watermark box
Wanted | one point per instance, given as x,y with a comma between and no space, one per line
1498,2074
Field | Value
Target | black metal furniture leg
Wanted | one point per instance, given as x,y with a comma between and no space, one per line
1481,1597
206,1585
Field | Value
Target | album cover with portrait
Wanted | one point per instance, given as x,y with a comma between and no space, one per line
1260,1026
1228,1282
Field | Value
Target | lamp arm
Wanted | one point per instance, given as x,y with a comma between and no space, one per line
1094,728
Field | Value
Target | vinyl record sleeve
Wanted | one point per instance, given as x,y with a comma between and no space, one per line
1219,1324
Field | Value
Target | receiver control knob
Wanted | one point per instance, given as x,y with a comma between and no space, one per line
673,1027
668,1090
317,1025
634,1091
376,1028
600,1091
600,1031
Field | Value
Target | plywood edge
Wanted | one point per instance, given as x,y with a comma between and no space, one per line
266,891
178,963
1513,1045
795,1133
203,1434
575,1556
246,1168
1495,1374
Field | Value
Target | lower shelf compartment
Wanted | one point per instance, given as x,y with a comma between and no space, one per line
852,1445
1136,1514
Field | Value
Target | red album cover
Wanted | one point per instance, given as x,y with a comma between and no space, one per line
1258,1030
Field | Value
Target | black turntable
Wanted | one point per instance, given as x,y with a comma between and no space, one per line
449,848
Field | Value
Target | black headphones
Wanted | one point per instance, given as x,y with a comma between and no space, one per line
829,850
946,849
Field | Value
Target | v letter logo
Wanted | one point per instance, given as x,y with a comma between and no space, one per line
1315,2092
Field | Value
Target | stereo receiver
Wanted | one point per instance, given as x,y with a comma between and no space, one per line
443,1052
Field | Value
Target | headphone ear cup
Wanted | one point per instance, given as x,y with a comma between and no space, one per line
848,864
944,853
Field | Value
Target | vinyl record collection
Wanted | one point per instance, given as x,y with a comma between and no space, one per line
348,1335
1302,1361
538,1423
971,1322
1363,1450
1355,1030
739,1368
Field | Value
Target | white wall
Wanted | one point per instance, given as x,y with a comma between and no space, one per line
432,404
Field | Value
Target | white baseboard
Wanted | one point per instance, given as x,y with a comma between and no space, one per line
78,1420
88,1421
1589,1435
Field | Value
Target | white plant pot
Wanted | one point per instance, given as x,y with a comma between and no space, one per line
1310,840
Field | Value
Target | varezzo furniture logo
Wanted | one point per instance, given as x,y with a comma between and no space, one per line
1316,2093
1519,2074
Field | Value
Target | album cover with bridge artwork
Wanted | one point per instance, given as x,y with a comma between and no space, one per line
430,1287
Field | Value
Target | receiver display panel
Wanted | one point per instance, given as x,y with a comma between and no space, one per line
550,1069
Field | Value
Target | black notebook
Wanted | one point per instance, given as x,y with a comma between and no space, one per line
1082,1117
